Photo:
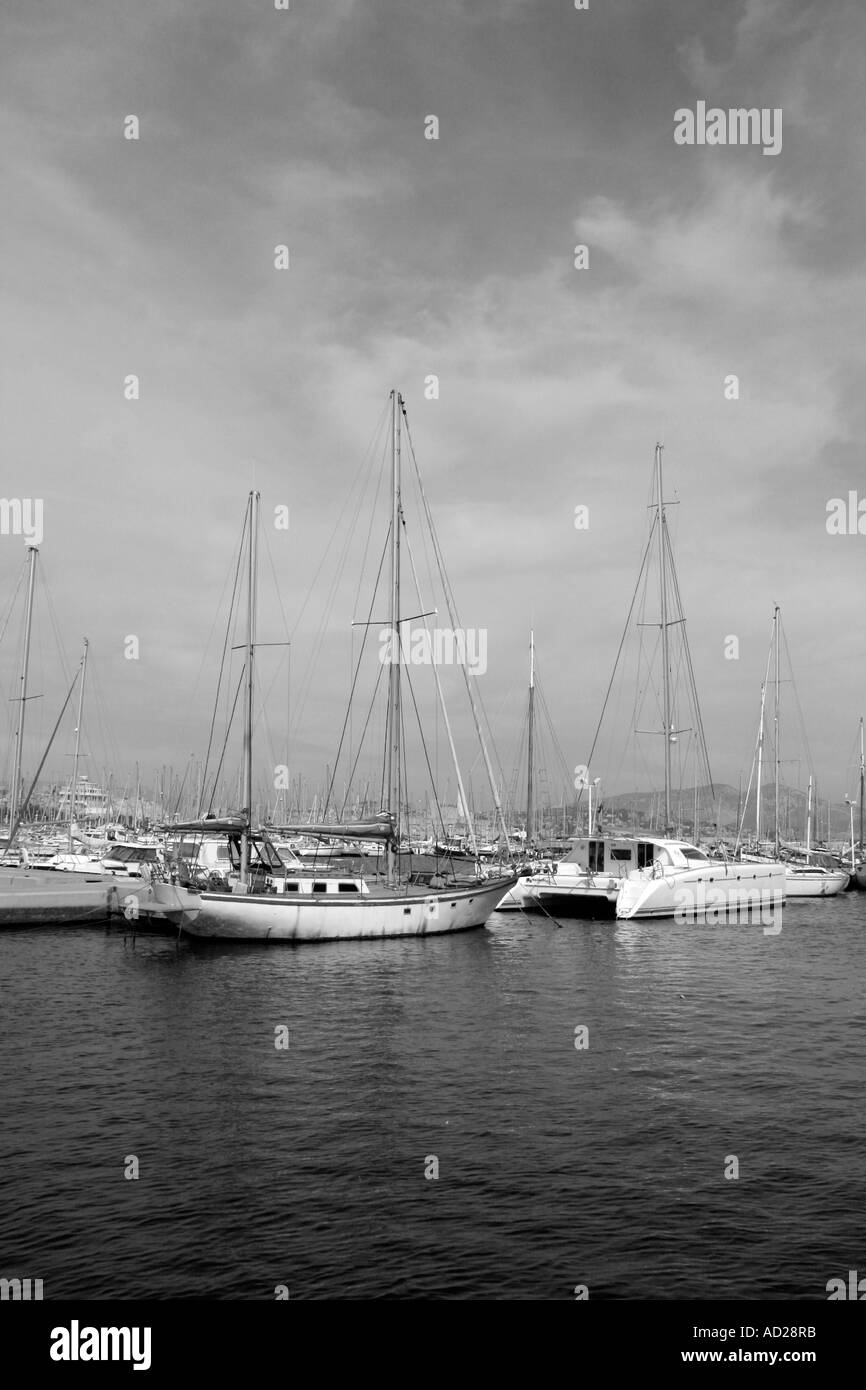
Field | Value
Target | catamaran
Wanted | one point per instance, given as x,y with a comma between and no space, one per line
678,878
274,902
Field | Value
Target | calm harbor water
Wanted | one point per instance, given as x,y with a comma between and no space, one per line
556,1166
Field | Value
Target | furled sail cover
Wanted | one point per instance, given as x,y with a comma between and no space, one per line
382,828
224,825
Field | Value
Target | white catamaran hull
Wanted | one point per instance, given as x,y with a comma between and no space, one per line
276,917
712,893
518,898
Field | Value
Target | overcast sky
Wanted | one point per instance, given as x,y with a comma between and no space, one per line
454,257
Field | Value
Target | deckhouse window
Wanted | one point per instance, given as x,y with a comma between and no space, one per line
596,856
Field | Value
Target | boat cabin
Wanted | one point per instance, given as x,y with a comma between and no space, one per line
619,855
128,859
329,887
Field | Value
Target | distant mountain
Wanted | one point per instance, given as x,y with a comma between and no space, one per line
724,802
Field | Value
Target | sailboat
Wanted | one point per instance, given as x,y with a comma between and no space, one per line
518,898
677,878
42,896
272,902
857,860
860,868
540,855
802,879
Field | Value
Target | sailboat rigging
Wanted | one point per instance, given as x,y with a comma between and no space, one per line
802,879
652,875
275,901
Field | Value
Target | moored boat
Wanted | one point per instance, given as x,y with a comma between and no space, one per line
803,878
812,881
45,898
269,903
683,882
42,897
587,881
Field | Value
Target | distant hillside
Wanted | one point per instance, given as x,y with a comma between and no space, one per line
724,802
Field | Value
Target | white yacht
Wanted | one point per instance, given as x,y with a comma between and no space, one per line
682,881
811,881
804,880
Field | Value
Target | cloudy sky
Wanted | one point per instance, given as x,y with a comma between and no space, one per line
454,257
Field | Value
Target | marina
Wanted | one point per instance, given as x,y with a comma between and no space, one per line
371,878
635,928
433,760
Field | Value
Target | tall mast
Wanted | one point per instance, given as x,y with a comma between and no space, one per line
247,787
862,774
530,800
137,798
809,824
663,596
761,733
760,765
25,666
74,786
393,746
776,723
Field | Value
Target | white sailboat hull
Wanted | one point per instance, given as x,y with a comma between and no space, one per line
814,883
160,902
710,893
277,917
807,880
